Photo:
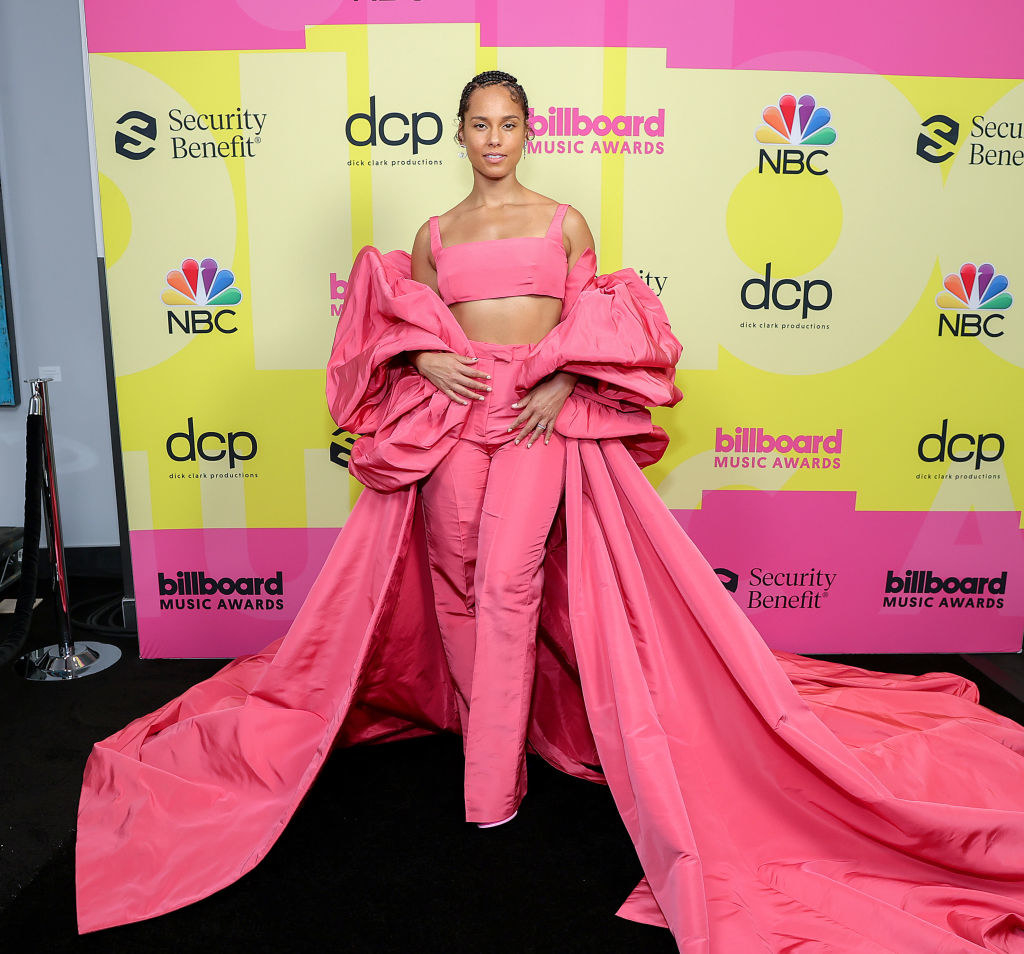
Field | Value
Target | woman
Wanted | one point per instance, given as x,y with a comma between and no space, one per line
517,589
501,269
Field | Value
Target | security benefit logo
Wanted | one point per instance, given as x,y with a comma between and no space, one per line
135,135
972,302
938,141
778,588
399,131
753,448
996,143
799,128
341,447
930,590
990,142
234,133
194,590
656,283
201,295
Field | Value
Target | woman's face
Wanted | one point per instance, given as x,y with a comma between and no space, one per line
493,131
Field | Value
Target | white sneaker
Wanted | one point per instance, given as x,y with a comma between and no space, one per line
497,823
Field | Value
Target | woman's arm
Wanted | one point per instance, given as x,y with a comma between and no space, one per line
448,372
576,234
577,238
424,270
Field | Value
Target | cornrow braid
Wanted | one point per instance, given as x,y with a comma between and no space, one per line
493,78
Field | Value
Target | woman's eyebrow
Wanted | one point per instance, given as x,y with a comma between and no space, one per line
509,116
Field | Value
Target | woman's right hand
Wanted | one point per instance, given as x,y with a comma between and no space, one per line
452,373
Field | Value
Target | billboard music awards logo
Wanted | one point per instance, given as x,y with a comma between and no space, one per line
802,127
568,130
339,289
780,589
204,289
930,590
193,590
973,300
753,447
229,135
992,142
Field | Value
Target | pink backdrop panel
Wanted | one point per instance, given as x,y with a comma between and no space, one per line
810,535
910,37
197,624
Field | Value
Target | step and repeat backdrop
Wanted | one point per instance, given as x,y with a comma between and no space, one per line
833,230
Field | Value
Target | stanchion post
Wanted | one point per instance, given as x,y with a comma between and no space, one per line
66,660
39,404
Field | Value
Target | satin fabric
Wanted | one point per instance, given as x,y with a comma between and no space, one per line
487,510
501,268
777,803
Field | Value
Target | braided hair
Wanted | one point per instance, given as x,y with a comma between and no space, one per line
493,78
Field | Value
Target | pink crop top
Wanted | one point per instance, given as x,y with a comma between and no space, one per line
501,268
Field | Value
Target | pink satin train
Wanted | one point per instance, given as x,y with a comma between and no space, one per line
778,804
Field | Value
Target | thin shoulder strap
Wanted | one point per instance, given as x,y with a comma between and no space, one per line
555,228
435,235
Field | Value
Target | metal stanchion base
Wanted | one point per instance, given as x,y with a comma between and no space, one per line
49,664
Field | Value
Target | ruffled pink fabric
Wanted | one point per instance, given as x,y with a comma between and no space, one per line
777,803
613,331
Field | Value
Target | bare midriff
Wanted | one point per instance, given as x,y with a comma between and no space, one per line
521,319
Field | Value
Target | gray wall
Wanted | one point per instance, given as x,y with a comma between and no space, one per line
45,168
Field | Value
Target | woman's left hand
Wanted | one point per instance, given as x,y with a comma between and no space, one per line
541,405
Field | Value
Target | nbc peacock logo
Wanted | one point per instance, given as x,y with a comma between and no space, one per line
972,302
201,284
975,287
795,124
206,291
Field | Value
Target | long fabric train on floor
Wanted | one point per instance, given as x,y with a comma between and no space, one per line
777,803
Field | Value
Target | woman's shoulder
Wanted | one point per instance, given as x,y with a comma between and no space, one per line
538,209
573,217
453,213
543,202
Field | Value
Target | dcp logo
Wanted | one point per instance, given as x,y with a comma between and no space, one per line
211,445
937,145
425,128
938,447
813,295
136,133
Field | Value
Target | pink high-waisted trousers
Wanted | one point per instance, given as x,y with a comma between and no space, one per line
488,509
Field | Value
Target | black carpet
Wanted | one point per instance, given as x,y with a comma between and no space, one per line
377,858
